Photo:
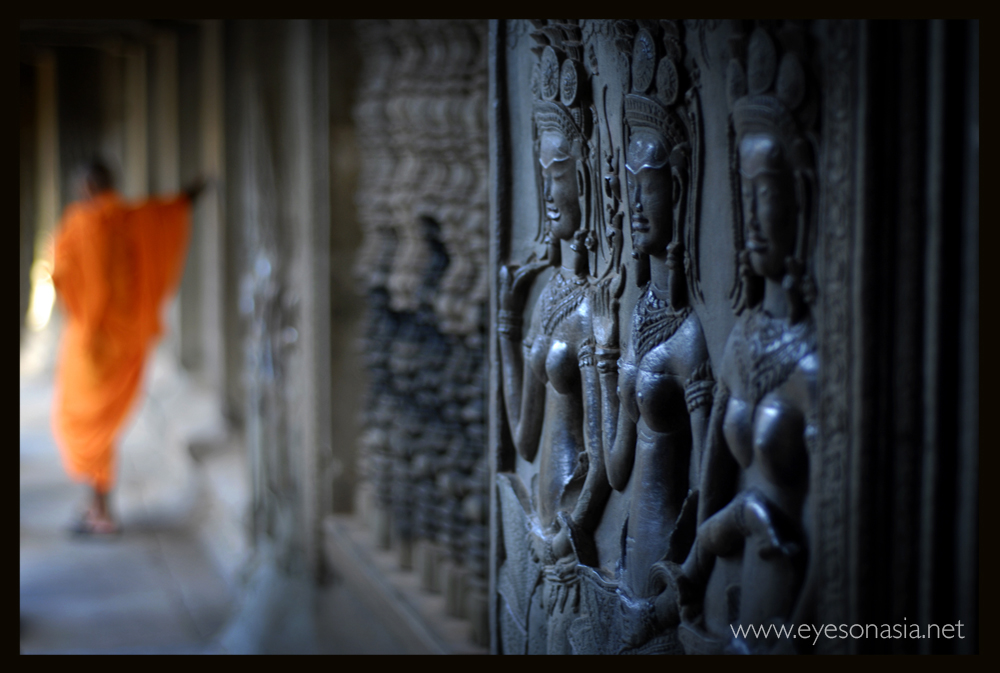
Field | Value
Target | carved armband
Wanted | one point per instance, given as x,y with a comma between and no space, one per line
509,324
607,359
698,394
586,354
698,389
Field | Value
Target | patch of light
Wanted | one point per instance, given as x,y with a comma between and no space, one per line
43,295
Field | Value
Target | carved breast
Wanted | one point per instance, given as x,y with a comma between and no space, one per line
560,315
766,365
778,441
770,435
659,389
738,430
771,432
664,367
561,367
555,359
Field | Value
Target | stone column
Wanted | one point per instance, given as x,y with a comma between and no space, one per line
135,163
210,215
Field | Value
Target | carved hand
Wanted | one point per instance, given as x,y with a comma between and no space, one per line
515,281
606,305
666,610
675,594
555,549
564,587
541,548
562,547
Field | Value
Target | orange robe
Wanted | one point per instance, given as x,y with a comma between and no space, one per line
115,264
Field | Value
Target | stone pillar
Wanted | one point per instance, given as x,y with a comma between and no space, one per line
28,193
113,105
80,115
135,163
967,516
236,300
338,468
308,199
210,216
190,296
48,163
164,128
277,170
164,156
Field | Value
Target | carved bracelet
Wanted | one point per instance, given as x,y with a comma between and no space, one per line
512,332
509,324
509,317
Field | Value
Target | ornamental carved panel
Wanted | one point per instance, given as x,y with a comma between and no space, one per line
662,471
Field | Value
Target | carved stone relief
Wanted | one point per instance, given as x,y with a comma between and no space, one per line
661,402
751,553
551,390
422,204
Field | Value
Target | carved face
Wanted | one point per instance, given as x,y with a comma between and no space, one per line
560,190
650,197
769,204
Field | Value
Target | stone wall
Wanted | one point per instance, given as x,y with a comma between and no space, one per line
422,193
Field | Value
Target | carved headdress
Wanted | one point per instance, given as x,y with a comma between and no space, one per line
562,98
652,104
558,82
655,81
766,96
771,96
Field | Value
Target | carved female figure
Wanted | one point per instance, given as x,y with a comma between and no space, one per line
550,392
663,382
749,557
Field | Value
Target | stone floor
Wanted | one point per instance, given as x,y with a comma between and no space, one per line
181,578
153,589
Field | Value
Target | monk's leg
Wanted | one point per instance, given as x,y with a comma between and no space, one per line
99,518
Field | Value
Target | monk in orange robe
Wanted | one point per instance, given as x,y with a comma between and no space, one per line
115,265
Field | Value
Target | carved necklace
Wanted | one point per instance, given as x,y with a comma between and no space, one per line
654,321
560,297
769,351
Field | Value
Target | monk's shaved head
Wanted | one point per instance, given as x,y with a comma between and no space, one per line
97,177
